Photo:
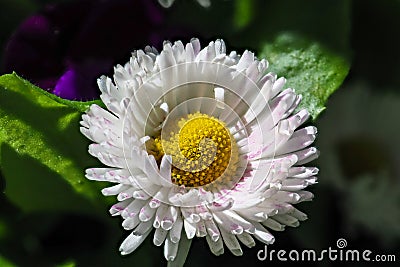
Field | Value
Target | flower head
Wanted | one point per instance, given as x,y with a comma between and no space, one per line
200,142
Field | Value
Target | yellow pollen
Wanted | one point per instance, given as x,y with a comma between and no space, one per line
202,150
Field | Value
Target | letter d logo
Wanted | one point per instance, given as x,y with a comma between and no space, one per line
260,252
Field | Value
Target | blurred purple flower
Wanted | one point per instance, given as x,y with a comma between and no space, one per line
66,47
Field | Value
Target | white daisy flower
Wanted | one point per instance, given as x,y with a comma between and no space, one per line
200,142
168,3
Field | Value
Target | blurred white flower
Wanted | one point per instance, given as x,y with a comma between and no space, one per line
200,142
168,3
361,159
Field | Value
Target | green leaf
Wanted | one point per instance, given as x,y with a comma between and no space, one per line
5,262
244,13
67,264
311,69
76,105
43,155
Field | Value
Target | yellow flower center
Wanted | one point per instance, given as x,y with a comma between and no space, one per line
202,150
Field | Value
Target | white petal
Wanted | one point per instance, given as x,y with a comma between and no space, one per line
143,228
159,197
289,197
190,215
169,218
232,222
165,170
273,224
190,229
166,3
303,172
287,220
170,250
176,230
263,235
204,3
132,242
159,236
133,208
126,194
247,240
114,190
212,230
146,213
254,214
306,155
216,247
298,215
160,215
299,140
118,208
295,184
232,243
183,250
130,222
201,229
